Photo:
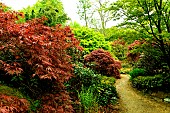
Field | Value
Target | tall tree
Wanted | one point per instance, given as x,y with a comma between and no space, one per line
153,16
84,11
104,14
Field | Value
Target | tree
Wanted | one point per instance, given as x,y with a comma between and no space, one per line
52,9
104,14
150,16
94,13
34,57
84,11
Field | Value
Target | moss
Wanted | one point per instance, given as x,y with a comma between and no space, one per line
10,91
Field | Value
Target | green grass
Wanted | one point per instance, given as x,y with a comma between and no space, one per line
88,100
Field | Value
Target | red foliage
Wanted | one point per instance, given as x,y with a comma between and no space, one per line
43,49
118,42
11,104
103,63
133,56
53,104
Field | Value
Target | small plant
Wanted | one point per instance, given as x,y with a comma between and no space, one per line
137,72
88,100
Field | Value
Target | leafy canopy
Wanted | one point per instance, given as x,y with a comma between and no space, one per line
52,9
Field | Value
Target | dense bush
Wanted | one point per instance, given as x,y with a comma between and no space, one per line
106,94
91,40
127,34
102,62
108,80
152,83
137,72
152,59
85,77
119,49
91,89
34,57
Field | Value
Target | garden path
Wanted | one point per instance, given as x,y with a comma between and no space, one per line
133,102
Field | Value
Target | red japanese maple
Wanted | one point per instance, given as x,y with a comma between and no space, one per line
41,48
103,62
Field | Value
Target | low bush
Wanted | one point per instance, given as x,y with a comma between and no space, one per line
106,94
137,72
108,80
153,83
152,59
85,77
102,62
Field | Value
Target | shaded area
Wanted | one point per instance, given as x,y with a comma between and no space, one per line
132,102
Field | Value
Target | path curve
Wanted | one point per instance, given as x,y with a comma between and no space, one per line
133,102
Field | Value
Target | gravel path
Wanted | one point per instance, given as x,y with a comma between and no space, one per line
133,102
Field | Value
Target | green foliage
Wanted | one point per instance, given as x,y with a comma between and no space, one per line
152,83
137,72
4,7
75,25
129,35
106,94
108,80
149,16
152,59
10,91
91,40
35,105
51,9
92,87
88,100
85,77
119,49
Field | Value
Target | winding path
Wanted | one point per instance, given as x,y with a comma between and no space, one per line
133,102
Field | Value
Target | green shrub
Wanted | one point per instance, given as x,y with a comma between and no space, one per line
108,80
152,59
85,77
154,83
119,49
106,94
91,40
137,72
